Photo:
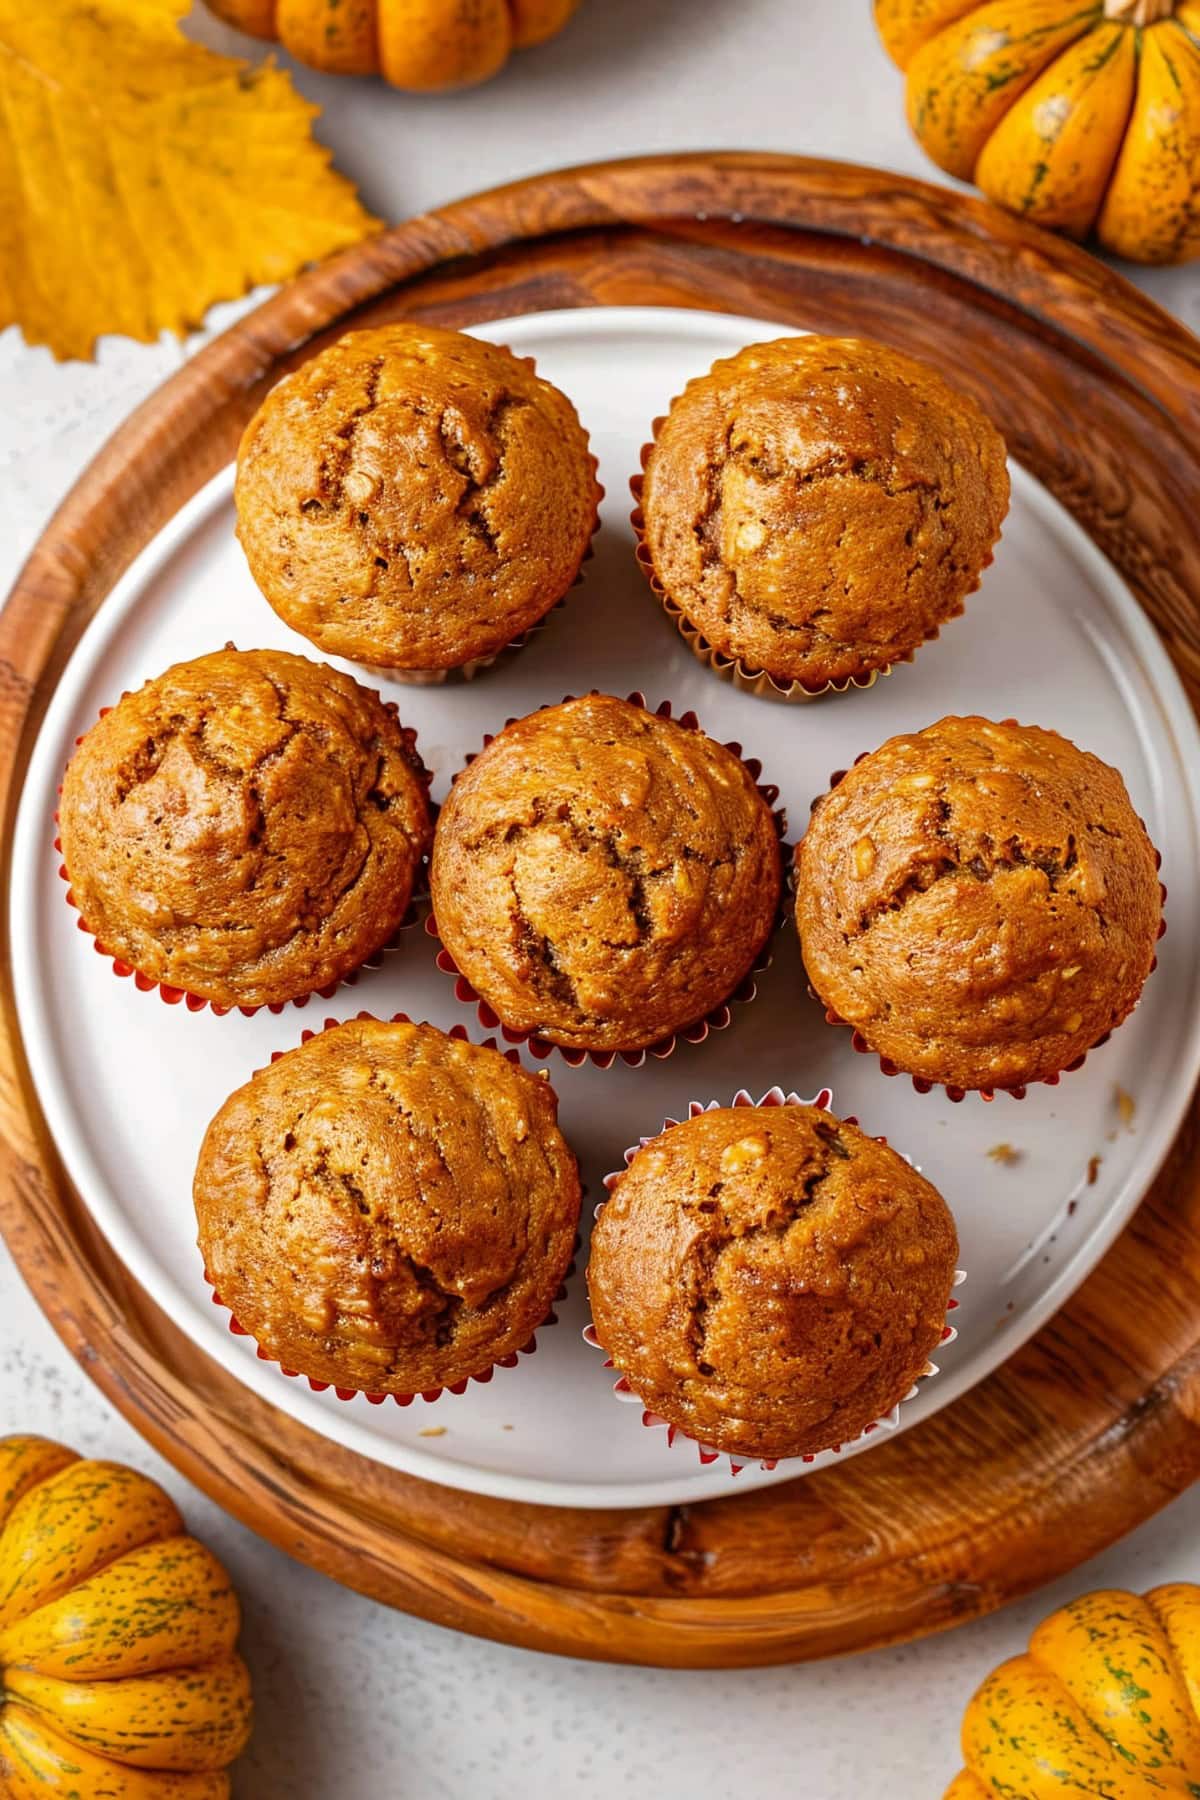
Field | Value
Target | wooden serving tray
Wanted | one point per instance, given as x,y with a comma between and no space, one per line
1096,1422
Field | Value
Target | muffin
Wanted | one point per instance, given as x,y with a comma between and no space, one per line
415,498
603,876
247,828
770,1280
817,507
980,901
388,1209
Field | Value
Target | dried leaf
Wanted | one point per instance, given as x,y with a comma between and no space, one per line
142,177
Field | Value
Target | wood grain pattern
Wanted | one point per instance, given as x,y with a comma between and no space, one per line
1091,1426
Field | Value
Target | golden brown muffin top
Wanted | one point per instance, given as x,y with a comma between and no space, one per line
247,827
817,507
387,1208
604,877
770,1279
980,900
414,497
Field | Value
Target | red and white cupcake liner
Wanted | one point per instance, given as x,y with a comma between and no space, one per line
718,1019
429,1395
923,1084
176,996
707,1453
474,665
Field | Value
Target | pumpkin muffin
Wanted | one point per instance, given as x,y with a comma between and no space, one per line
769,1279
414,498
817,507
604,877
248,827
388,1209
980,901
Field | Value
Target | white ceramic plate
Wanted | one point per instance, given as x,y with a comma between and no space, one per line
1053,638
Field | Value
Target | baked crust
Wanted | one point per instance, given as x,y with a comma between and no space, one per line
604,877
414,498
980,901
387,1208
247,827
769,1279
818,507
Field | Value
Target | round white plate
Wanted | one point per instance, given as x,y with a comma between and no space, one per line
1053,637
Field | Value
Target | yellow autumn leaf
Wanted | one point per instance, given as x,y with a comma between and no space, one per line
142,177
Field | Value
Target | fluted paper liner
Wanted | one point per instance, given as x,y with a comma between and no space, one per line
923,1084
745,677
717,1019
174,996
707,1453
429,1395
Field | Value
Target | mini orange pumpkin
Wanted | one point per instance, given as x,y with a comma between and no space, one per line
422,45
118,1674
1082,115
1104,1701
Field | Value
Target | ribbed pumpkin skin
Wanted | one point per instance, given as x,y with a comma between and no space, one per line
421,45
1106,1701
118,1674
1082,115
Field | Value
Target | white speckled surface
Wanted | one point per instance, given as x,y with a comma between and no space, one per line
356,1703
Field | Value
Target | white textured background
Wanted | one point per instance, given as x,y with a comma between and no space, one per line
356,1703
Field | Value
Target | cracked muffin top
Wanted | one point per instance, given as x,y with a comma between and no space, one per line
818,507
769,1279
414,498
247,827
388,1209
981,901
603,876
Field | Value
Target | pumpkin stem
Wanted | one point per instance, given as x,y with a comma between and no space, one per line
1139,12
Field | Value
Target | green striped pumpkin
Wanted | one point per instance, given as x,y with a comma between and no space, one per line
1104,1702
1082,115
118,1674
